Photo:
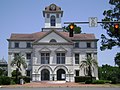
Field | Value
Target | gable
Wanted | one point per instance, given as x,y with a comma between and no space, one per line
53,36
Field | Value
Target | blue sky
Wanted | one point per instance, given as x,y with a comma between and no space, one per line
25,16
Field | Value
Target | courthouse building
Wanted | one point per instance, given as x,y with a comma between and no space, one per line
50,53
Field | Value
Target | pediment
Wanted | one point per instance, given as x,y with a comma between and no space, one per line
45,50
60,49
53,35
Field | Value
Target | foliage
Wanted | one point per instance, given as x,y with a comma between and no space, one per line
3,72
88,82
113,38
83,78
4,80
117,59
98,82
19,61
14,73
107,72
25,78
89,63
77,29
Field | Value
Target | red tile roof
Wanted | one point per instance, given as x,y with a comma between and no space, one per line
37,35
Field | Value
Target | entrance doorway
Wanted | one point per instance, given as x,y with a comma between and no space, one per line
45,75
61,74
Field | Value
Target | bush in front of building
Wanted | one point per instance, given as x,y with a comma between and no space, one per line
25,78
14,73
88,82
98,82
83,78
4,80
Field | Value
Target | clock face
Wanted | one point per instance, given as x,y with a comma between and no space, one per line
52,7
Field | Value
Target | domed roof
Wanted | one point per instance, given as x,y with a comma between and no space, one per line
3,61
52,7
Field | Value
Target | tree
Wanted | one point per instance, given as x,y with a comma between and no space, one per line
107,72
89,63
113,38
77,29
117,59
18,61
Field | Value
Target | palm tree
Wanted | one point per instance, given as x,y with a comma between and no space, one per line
18,61
89,63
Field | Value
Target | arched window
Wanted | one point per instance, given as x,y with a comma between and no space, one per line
52,20
53,41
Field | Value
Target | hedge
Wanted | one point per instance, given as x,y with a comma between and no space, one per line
4,80
83,78
98,82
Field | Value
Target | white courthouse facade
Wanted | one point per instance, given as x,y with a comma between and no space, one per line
51,54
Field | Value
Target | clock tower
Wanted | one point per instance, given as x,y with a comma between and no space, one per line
52,15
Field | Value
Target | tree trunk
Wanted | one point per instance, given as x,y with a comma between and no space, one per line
90,73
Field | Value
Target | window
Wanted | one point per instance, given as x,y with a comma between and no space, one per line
88,45
76,45
48,15
76,58
53,41
28,45
45,58
28,55
57,15
16,45
77,72
60,58
16,54
88,54
52,21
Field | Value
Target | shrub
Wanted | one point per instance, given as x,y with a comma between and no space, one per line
88,82
25,78
4,80
98,82
83,78
114,80
12,82
107,81
14,73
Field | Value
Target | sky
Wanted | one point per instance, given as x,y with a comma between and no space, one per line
26,16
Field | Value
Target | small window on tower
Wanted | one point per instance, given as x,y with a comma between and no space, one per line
52,19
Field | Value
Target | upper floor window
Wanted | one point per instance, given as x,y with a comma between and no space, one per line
76,44
76,58
53,41
28,55
88,45
60,58
52,20
16,45
45,57
28,45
